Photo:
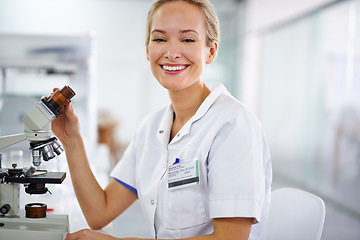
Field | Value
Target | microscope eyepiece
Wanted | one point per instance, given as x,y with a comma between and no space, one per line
59,99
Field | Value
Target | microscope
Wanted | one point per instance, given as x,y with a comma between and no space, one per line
37,130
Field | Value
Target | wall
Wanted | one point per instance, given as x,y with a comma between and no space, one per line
308,101
262,15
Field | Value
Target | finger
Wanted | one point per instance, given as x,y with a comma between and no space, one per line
81,234
70,236
67,107
54,90
67,236
70,113
74,235
46,97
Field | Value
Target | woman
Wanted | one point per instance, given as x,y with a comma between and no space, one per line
200,167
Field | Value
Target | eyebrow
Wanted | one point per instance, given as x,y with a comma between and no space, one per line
157,30
181,31
189,30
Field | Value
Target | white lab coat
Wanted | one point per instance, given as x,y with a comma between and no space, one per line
234,168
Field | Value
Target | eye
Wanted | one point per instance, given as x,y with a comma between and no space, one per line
158,39
188,40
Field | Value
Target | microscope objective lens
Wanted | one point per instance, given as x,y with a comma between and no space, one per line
48,152
36,156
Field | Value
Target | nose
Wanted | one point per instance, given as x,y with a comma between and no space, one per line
172,51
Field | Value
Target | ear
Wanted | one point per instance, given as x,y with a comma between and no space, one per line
212,52
147,53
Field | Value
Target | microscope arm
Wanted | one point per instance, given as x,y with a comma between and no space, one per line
37,126
9,140
32,132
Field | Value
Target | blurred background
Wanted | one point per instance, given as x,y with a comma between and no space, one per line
295,63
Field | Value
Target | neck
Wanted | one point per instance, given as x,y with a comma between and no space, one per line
187,101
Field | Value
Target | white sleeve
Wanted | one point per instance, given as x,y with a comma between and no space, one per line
236,171
125,168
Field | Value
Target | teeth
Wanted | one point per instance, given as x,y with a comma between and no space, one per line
169,68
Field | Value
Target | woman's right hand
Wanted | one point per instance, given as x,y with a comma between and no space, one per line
66,126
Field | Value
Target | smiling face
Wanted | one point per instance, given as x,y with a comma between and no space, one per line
177,49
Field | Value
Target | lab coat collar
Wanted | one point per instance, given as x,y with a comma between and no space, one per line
216,89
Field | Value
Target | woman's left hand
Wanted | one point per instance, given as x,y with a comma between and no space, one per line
88,234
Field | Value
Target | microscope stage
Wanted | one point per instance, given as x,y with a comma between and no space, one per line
50,177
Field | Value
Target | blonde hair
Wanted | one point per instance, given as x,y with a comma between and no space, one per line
210,17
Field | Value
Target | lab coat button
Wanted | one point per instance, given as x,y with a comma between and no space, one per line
161,131
152,202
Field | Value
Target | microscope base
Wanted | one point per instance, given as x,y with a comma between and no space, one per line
52,227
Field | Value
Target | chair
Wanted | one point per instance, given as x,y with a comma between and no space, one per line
295,214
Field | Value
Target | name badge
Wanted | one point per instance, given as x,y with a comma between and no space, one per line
183,174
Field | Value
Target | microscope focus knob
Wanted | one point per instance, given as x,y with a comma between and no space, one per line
5,208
